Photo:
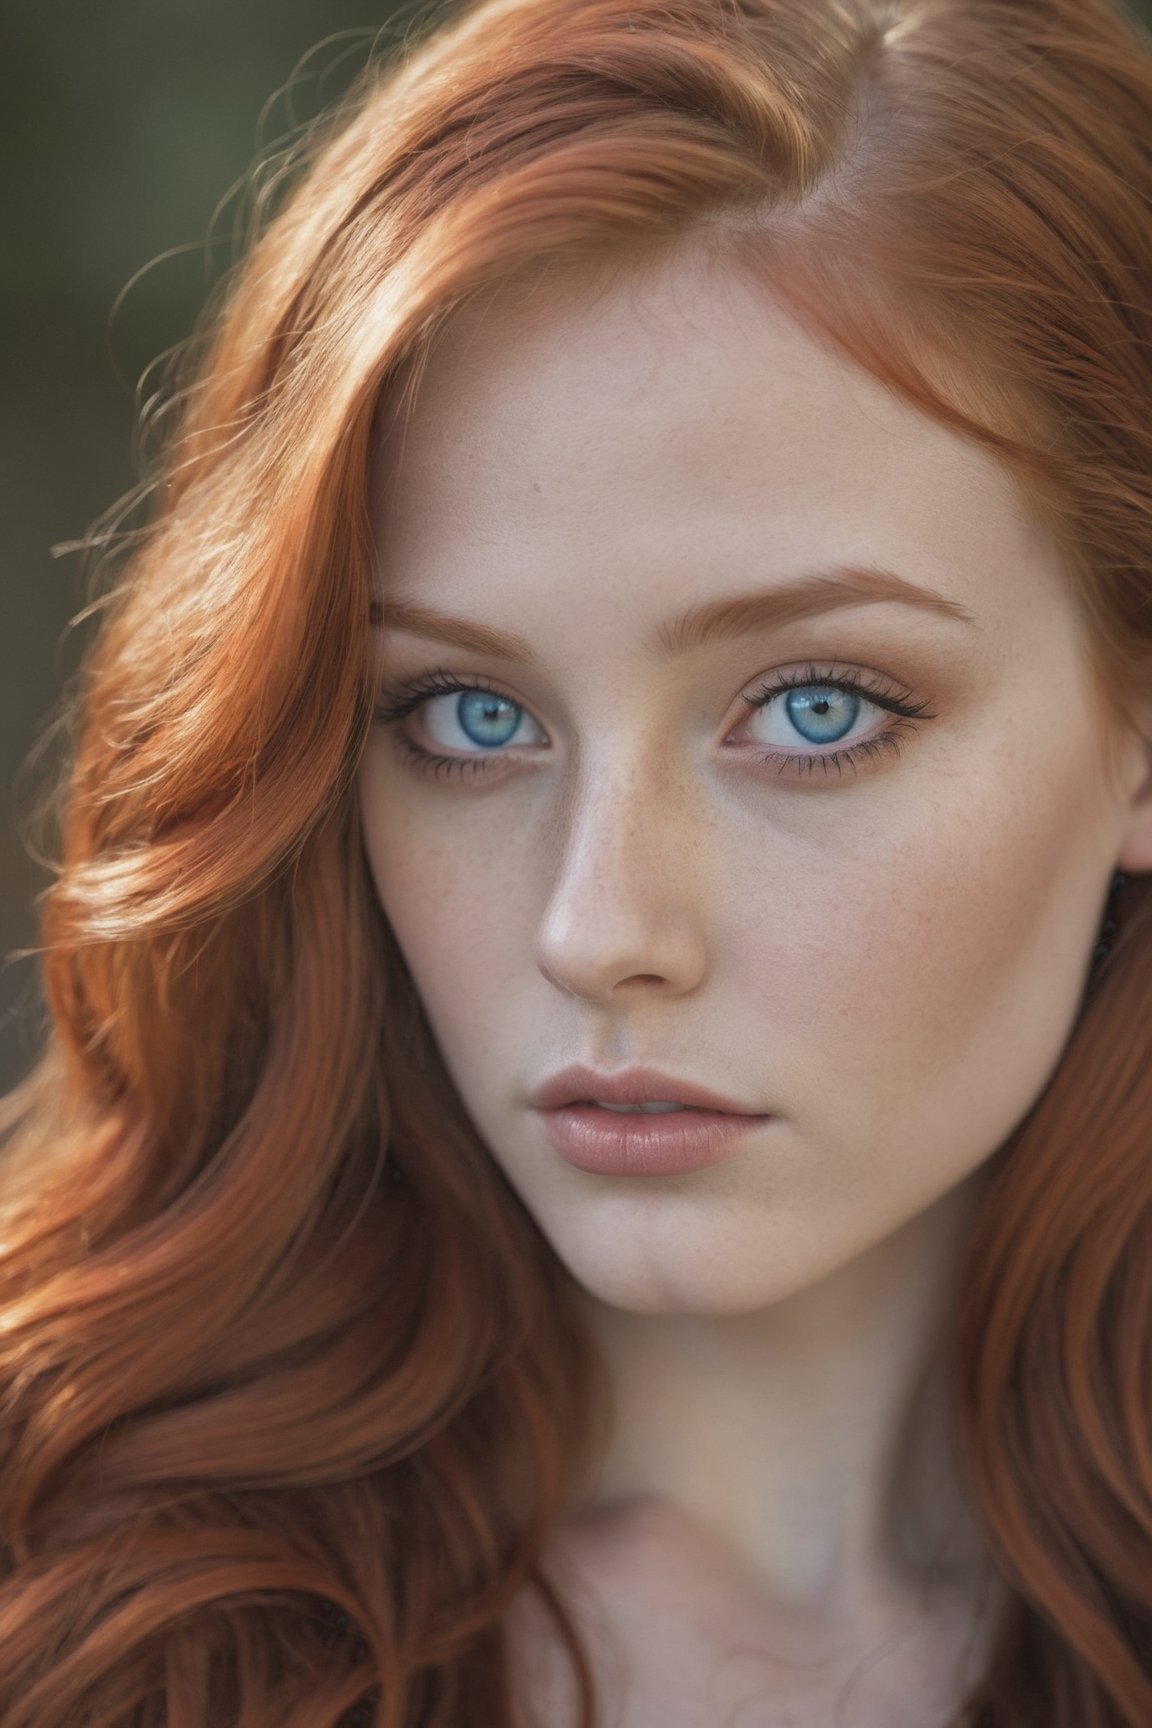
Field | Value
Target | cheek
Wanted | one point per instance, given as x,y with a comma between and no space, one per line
450,898
935,973
922,977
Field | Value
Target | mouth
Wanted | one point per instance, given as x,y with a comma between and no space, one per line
657,1108
632,1091
640,1122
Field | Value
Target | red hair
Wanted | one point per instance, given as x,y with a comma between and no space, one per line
276,1332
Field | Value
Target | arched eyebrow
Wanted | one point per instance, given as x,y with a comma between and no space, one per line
751,614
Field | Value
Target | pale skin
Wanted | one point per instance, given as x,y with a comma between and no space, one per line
887,954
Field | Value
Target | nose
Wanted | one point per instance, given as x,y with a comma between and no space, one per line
624,910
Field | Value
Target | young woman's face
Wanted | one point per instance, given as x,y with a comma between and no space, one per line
760,751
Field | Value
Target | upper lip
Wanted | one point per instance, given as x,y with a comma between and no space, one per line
581,1085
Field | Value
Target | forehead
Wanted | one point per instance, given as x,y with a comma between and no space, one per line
673,432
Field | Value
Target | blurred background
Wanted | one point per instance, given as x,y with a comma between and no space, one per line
126,122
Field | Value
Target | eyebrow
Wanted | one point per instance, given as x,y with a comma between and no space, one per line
714,621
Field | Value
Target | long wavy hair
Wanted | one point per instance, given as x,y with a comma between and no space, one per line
292,1389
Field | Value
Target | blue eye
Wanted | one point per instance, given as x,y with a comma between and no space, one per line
463,719
812,708
487,718
822,714
814,713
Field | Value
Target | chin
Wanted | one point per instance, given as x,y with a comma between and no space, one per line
699,1279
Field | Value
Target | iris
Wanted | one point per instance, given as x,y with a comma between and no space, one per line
821,713
487,718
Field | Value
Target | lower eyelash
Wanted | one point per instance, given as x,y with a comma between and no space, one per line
904,715
807,762
804,763
441,767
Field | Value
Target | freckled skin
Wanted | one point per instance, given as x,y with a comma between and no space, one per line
888,958
890,964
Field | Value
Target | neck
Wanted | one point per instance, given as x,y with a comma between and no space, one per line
811,1445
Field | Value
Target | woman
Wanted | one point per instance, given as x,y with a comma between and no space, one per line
592,1162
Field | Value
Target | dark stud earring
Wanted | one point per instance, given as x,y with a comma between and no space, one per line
1110,926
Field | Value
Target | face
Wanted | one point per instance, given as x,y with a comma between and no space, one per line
762,752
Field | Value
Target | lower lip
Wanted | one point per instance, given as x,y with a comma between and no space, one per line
669,1143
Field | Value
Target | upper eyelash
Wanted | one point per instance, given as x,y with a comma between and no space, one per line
812,674
440,682
410,696
436,683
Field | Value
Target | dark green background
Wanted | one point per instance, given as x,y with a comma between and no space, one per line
126,123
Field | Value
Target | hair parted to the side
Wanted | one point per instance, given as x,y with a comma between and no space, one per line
275,1331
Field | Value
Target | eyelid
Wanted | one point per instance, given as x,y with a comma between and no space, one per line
816,765
411,694
408,694
897,698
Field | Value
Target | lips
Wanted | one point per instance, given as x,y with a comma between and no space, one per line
703,1128
580,1086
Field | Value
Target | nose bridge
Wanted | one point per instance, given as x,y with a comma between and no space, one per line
621,901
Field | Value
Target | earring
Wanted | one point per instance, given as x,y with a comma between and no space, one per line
1110,926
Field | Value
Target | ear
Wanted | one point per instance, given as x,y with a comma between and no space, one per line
1135,853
